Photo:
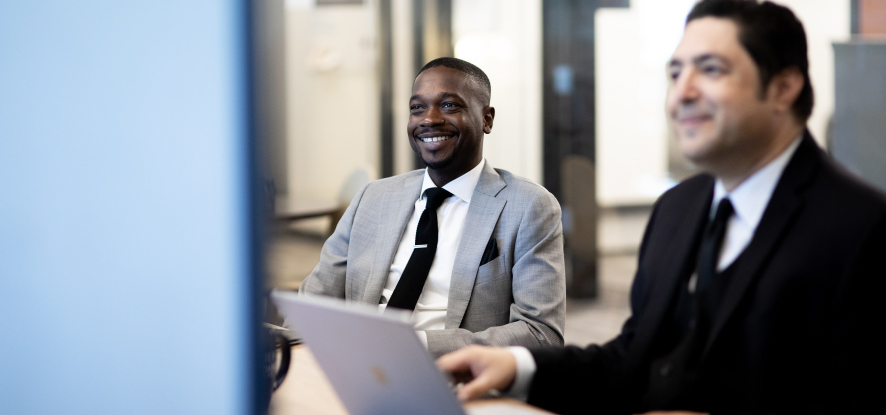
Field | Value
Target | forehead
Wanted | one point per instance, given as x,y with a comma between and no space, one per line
710,36
442,80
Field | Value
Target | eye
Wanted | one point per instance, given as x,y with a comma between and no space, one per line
674,73
450,106
712,70
414,107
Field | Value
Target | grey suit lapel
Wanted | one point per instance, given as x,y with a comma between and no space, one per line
397,205
483,213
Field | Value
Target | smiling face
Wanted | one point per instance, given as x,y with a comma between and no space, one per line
719,113
448,116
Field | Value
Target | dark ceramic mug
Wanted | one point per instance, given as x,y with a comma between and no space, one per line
277,373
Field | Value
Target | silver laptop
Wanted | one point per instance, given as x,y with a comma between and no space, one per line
375,362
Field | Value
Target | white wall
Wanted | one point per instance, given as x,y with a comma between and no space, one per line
333,96
631,50
503,37
632,46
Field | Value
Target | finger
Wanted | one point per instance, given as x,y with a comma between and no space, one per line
458,361
478,387
461,377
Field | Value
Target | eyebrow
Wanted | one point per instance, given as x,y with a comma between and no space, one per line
710,56
443,95
698,59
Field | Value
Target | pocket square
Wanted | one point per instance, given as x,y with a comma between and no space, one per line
490,253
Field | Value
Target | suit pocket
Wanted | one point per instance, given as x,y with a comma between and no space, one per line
493,270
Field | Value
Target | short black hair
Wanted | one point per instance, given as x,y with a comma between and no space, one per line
772,35
470,69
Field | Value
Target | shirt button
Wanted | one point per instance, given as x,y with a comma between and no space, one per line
666,369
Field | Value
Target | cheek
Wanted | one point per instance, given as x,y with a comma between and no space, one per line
671,106
669,101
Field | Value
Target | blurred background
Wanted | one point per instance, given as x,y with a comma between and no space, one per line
164,164
578,88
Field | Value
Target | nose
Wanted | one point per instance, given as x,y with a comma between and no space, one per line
684,88
432,117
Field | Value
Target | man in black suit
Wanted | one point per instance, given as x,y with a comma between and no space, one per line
758,281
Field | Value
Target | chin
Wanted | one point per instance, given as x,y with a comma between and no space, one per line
437,164
433,162
694,154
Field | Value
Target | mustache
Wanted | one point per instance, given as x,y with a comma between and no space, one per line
431,131
692,111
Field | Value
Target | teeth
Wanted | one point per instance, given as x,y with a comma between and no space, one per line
433,139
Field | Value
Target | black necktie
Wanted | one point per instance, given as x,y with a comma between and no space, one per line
711,243
416,272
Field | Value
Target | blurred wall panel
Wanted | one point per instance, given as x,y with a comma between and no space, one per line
126,245
404,70
332,96
632,46
270,89
504,39
859,140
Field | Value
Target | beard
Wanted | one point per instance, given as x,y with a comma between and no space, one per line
437,165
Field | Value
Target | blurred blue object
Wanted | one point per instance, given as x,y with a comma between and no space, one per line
127,245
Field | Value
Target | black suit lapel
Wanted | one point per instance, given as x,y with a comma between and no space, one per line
671,258
783,207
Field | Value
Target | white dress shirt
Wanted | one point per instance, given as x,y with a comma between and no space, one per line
749,199
430,311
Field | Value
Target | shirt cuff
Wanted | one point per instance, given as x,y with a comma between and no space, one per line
423,337
525,372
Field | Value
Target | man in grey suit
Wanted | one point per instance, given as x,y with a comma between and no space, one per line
496,273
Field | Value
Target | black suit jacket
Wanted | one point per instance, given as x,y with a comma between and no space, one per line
798,329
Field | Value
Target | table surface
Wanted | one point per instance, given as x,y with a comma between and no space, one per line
307,391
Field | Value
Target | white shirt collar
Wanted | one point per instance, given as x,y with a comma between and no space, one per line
462,187
752,196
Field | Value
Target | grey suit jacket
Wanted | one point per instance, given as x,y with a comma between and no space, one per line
517,298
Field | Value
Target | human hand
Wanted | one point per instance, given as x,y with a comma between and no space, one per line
483,368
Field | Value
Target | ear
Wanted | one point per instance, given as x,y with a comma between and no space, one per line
488,116
784,88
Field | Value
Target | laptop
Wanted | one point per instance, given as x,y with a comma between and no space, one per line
375,362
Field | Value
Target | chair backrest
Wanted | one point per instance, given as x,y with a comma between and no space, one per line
349,189
352,184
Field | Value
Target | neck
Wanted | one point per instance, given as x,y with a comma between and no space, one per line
441,177
735,173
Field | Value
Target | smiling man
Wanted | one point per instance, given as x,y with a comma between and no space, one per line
758,283
475,252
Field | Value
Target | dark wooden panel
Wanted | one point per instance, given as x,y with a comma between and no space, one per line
386,72
569,130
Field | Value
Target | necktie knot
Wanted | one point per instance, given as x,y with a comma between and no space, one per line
724,211
436,196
